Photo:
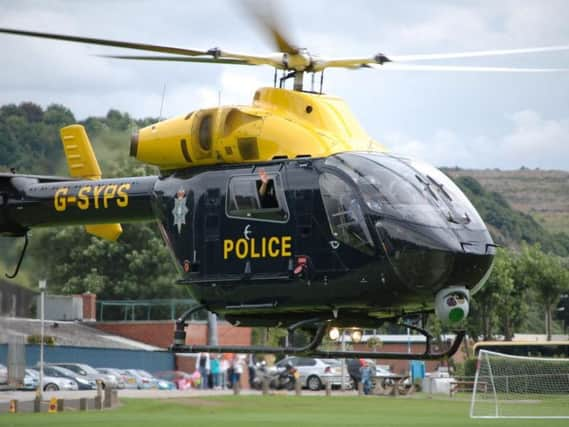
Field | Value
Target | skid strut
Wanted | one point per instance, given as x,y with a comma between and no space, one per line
311,349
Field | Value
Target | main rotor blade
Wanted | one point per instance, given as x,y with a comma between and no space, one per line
180,59
263,13
320,64
412,67
476,54
103,42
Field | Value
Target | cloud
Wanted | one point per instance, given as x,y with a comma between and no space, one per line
540,142
532,141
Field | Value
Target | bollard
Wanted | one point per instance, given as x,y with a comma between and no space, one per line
52,407
108,397
83,406
297,387
13,406
98,402
37,404
60,405
114,398
99,396
265,386
360,388
328,388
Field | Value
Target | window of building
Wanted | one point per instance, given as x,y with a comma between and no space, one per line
248,197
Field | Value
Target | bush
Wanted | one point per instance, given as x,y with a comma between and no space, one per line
36,339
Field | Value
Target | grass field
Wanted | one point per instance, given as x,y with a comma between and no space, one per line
273,411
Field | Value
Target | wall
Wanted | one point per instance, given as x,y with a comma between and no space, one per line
161,333
152,361
62,307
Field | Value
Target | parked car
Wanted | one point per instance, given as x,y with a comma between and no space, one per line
314,373
31,381
82,382
144,380
90,373
3,374
379,373
121,378
128,378
158,383
49,383
182,380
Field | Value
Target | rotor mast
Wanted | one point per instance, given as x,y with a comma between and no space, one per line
298,80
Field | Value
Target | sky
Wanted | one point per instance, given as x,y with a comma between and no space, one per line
470,120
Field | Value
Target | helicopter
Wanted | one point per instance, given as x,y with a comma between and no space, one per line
283,213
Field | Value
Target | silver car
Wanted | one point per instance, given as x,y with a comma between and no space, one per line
49,383
315,373
3,374
116,373
90,373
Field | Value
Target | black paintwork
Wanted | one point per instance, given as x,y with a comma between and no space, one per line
404,266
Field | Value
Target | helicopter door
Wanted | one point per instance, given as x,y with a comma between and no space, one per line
311,223
211,226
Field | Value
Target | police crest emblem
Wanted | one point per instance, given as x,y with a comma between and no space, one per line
180,209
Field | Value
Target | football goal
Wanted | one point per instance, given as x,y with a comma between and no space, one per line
520,387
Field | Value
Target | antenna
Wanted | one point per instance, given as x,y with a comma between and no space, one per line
162,102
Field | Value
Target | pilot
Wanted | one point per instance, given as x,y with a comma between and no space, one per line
266,189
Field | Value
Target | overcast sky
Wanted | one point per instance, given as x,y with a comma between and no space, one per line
451,119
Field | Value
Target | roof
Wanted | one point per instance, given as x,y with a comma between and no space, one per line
67,333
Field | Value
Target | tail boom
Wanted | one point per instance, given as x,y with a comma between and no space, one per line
38,201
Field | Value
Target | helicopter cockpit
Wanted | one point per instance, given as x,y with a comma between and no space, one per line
408,211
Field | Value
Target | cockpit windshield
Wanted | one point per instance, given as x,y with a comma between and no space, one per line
406,189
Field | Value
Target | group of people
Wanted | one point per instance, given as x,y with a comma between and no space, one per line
220,371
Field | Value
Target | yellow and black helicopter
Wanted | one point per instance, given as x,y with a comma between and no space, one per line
283,213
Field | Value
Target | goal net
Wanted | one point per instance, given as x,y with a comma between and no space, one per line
520,387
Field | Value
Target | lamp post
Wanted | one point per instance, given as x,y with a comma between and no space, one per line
42,286
343,370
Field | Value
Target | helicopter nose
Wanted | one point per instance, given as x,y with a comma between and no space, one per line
432,258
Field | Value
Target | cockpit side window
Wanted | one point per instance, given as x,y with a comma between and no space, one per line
249,197
344,213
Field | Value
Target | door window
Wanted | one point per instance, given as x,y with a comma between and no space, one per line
251,198
344,213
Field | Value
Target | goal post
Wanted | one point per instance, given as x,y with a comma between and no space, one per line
508,386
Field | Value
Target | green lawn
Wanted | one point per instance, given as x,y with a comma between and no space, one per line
273,411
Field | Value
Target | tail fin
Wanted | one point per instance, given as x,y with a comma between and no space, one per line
82,163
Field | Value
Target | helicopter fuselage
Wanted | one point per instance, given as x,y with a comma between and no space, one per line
355,237
316,249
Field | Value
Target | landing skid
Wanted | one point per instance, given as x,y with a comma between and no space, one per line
311,349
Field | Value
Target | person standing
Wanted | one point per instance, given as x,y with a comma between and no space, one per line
225,365
237,370
204,366
215,366
366,377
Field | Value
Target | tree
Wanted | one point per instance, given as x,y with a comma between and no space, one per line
547,275
500,306
137,266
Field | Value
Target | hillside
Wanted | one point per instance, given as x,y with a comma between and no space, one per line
542,194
